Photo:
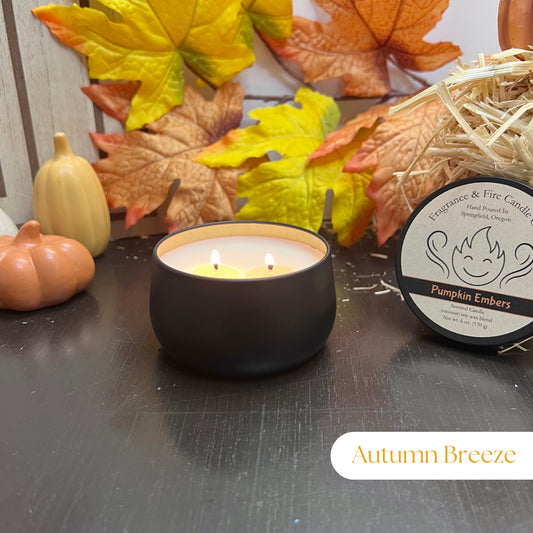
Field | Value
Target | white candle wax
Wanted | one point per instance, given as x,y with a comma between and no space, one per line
243,253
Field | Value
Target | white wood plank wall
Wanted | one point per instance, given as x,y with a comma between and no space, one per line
40,93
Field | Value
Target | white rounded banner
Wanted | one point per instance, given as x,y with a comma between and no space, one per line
434,455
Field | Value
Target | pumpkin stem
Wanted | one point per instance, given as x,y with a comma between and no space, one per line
62,149
29,233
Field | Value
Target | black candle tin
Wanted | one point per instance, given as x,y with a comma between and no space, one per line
242,327
465,261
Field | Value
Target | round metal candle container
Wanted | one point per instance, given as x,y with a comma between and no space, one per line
242,327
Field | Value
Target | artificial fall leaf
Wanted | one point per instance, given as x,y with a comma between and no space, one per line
155,38
393,148
293,189
143,165
113,98
351,209
362,34
270,18
369,119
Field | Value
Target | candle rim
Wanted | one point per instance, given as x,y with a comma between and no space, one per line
157,253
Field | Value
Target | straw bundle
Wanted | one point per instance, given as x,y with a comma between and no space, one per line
488,129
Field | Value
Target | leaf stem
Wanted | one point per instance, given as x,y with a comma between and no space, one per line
209,83
409,74
271,98
278,60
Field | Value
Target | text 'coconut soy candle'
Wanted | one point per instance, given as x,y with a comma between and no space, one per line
264,302
465,261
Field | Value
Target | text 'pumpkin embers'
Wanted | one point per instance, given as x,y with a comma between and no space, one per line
41,270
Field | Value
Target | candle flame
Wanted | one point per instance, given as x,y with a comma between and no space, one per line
215,259
269,261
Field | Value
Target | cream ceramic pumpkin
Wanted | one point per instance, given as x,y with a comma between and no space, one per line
68,199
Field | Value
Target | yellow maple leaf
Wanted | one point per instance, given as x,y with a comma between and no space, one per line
293,189
154,38
351,209
270,18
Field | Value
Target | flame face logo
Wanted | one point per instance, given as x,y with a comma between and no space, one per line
477,262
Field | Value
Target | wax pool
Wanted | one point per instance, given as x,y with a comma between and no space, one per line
244,253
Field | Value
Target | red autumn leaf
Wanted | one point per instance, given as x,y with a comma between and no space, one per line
113,98
391,149
360,38
142,165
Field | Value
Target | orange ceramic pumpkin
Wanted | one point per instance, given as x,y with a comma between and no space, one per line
41,270
515,24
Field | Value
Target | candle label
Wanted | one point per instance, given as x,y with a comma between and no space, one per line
465,261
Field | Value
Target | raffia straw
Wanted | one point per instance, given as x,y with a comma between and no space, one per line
465,75
509,122
446,98
489,130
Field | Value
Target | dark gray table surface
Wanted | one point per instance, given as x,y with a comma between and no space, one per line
101,433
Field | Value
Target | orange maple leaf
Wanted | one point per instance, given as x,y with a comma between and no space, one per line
142,165
347,133
360,38
392,149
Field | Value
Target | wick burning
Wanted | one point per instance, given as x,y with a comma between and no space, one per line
269,261
215,259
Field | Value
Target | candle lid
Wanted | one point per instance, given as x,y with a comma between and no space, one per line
465,261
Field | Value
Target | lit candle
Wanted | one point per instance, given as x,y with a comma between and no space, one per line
215,269
270,269
250,323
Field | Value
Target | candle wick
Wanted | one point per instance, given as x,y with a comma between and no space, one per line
215,266
270,267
